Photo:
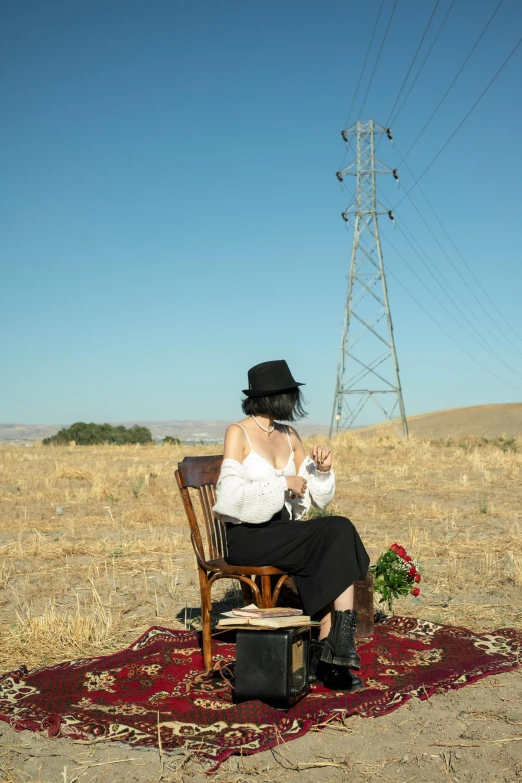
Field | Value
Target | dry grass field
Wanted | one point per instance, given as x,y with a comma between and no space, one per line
94,549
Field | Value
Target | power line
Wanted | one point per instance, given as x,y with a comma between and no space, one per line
437,107
413,61
364,64
476,337
412,85
435,321
457,270
459,126
459,273
378,58
477,281
360,78
448,294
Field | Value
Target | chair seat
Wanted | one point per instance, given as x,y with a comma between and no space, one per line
220,565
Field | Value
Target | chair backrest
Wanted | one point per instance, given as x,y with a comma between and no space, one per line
201,474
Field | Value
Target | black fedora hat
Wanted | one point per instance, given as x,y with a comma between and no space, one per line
270,378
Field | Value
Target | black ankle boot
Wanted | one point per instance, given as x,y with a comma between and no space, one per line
339,645
336,678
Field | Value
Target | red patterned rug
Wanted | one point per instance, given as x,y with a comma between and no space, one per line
157,682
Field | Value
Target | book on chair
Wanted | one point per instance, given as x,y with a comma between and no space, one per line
277,611
276,617
265,622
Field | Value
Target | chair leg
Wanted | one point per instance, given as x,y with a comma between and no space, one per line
266,592
277,588
207,638
247,593
363,604
206,603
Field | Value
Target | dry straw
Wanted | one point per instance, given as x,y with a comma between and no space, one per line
118,558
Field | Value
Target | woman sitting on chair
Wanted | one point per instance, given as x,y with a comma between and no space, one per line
266,485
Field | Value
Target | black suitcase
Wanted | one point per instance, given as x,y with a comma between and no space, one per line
272,665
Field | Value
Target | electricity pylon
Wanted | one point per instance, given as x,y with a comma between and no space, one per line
368,367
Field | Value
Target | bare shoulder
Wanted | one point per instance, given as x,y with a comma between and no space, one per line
234,432
235,441
294,435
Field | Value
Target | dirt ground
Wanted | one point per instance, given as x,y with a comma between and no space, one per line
94,549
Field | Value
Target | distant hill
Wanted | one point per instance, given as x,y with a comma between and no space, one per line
489,421
187,430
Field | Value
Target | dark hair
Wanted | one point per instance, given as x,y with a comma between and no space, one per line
282,407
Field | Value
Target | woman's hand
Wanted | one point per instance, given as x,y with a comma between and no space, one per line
296,485
322,456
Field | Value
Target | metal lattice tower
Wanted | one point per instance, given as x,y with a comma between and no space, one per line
368,369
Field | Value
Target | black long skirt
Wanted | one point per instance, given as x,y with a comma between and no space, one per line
325,555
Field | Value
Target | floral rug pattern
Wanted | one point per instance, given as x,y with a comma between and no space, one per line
156,687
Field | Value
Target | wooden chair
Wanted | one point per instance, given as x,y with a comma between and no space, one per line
201,474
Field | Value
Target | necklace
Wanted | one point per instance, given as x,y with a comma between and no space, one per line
268,430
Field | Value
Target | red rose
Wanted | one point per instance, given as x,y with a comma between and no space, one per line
415,591
401,551
412,571
407,559
394,547
417,577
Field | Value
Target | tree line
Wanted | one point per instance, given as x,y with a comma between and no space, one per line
96,434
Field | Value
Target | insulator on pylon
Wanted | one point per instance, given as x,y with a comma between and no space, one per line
344,135
344,217
339,176
395,174
390,215
389,134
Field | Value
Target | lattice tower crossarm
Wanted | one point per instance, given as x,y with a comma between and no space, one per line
368,369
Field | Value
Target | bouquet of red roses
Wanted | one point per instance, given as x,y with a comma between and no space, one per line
395,573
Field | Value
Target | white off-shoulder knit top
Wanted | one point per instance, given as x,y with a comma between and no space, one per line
254,490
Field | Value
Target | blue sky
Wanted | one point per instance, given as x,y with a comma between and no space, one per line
170,215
